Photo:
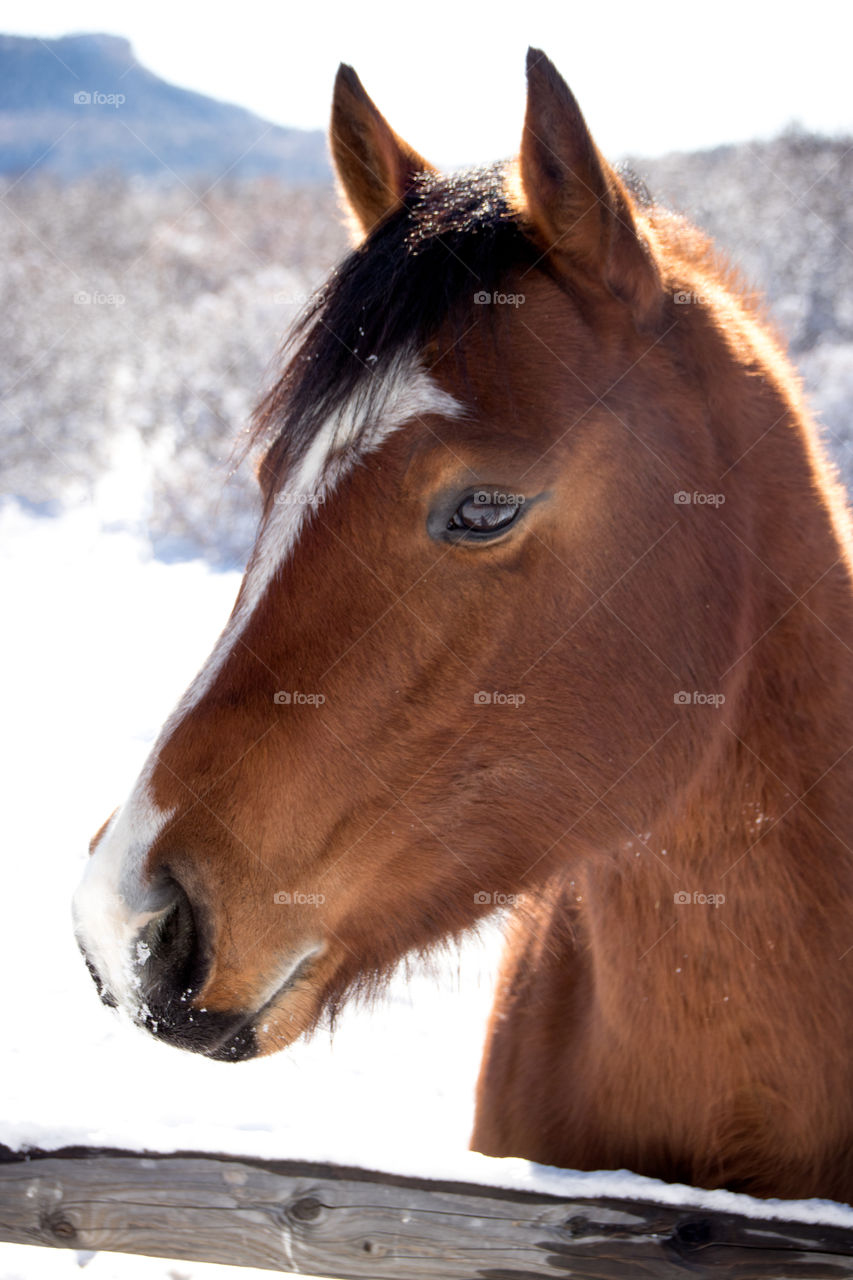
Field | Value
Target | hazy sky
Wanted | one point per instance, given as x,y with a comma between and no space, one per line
450,76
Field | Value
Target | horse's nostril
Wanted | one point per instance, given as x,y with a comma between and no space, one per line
168,949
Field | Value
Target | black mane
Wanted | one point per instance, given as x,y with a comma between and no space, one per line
452,238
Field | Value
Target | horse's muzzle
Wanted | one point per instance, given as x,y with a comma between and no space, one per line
165,967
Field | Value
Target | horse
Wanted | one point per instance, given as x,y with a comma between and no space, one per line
549,613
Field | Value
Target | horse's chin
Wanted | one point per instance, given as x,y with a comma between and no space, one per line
290,1012
277,1033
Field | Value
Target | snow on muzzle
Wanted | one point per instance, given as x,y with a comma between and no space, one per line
145,948
162,970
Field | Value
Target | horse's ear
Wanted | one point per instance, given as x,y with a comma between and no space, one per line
375,167
581,213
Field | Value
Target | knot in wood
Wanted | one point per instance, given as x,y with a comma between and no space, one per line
306,1209
694,1232
61,1228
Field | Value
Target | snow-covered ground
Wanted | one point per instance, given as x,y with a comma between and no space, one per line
99,641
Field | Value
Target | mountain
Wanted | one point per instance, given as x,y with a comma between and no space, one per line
82,104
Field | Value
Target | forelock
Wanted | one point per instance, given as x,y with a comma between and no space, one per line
453,238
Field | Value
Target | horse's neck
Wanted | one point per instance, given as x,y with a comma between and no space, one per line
788,723
733,900
752,855
751,865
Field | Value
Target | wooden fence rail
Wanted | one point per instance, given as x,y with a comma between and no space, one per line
320,1220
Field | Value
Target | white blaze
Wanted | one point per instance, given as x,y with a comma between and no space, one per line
111,904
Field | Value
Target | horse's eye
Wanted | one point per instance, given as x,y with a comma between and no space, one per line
486,512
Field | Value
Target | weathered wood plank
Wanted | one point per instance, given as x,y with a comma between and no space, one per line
355,1225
